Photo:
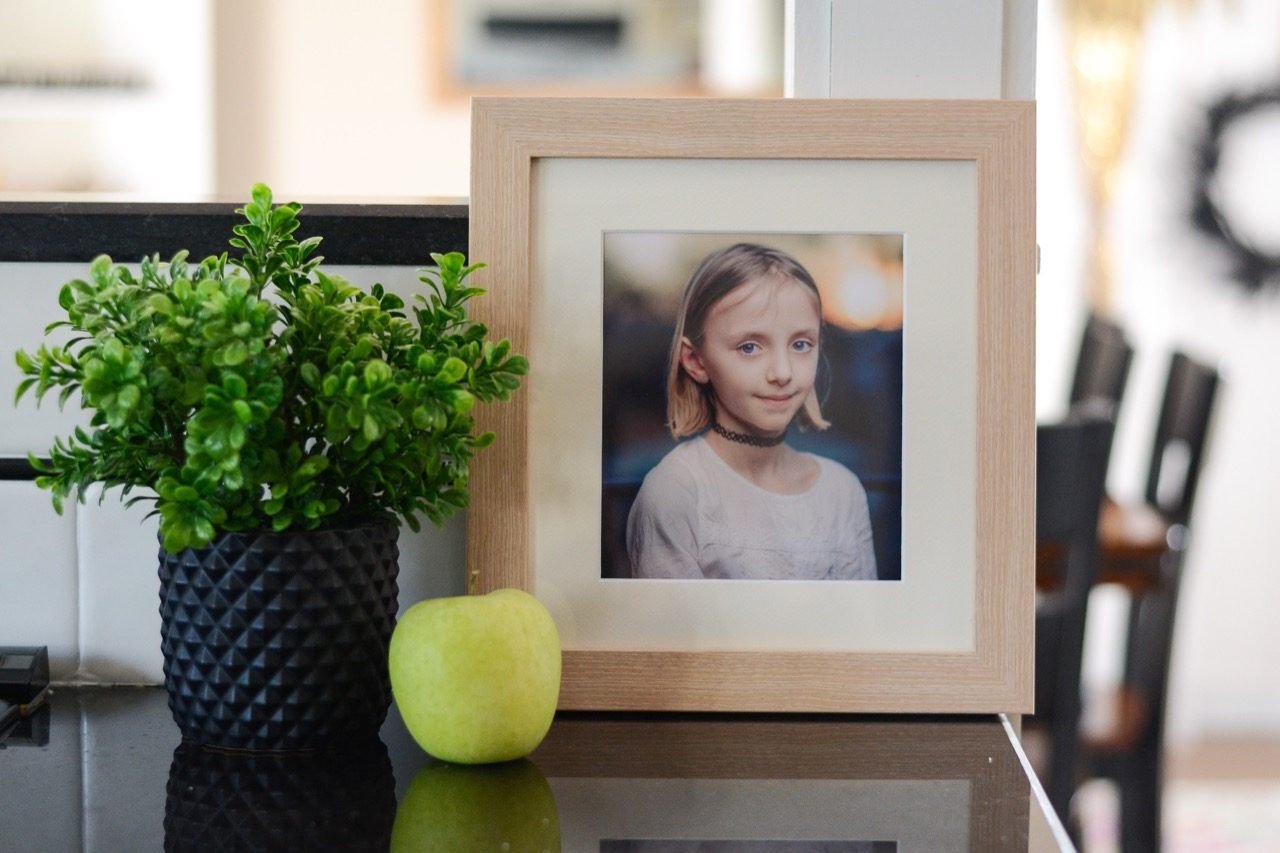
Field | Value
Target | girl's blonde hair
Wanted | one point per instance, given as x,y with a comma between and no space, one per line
690,409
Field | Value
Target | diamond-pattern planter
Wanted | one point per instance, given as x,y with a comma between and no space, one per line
278,641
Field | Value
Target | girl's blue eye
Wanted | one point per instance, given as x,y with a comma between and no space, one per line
802,346
748,348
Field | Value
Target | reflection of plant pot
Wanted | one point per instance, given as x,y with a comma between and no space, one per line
332,799
279,640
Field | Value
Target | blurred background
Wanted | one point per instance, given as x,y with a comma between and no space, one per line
1158,209
323,99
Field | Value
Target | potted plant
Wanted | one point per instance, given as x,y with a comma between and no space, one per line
281,420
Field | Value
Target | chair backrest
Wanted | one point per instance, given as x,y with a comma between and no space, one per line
1071,474
1102,365
1178,449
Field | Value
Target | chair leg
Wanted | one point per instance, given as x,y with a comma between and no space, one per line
1061,784
1140,803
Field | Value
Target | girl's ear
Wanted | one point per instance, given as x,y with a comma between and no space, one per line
691,362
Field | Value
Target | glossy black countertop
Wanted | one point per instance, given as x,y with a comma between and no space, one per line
104,769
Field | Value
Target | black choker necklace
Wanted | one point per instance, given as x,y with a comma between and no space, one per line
742,438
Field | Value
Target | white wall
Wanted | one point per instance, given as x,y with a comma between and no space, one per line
910,49
342,94
349,101
1168,293
152,140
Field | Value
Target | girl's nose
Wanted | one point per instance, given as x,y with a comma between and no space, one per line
779,369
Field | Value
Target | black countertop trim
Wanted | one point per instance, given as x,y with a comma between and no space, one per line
360,234
15,468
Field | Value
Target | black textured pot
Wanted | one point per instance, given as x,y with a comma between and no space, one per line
278,641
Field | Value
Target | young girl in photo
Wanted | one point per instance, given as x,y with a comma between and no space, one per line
734,501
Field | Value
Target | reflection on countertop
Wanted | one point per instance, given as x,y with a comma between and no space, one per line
113,774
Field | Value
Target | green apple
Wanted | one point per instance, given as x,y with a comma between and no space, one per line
476,677
495,807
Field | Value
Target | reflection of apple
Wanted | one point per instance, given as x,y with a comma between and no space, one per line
476,677
498,807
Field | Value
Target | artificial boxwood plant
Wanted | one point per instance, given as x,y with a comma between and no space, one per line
261,393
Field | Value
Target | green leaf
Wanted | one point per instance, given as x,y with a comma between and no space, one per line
362,350
462,401
312,467
377,373
129,397
452,370
281,217
233,353
261,195
494,353
23,386
234,385
204,531
335,425
100,267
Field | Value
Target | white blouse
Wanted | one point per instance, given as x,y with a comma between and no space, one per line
696,517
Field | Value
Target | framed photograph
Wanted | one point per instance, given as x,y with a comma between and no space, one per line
856,385
776,449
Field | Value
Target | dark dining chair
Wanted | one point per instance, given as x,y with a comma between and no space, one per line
1144,549
1102,365
1178,449
1071,471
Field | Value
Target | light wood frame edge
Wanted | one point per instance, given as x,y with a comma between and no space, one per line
508,134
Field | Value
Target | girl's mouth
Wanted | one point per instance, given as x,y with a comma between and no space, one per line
779,399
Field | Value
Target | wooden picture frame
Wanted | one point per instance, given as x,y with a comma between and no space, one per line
956,178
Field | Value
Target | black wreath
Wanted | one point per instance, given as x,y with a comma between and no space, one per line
1252,268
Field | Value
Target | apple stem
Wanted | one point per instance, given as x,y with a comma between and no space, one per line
473,582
